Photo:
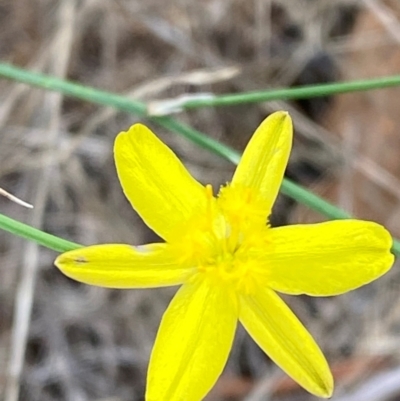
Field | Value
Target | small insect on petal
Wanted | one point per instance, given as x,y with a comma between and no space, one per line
81,260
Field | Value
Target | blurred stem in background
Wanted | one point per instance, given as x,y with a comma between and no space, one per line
301,92
122,103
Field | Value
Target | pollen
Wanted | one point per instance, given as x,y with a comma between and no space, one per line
221,238
243,206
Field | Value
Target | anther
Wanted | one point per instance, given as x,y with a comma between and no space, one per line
209,191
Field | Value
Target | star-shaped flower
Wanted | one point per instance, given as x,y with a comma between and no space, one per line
229,262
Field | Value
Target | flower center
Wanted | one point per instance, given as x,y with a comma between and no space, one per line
219,239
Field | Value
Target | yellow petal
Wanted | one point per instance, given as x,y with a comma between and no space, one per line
124,266
156,183
327,258
193,343
284,339
264,160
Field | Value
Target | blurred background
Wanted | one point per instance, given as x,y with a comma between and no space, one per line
60,340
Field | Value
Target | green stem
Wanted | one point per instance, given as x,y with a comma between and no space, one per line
33,234
118,102
301,92
313,201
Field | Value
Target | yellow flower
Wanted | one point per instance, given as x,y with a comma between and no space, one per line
229,262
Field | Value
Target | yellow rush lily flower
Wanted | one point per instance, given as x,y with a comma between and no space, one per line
230,263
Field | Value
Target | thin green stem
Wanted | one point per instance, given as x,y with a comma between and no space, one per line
300,92
118,102
33,234
313,201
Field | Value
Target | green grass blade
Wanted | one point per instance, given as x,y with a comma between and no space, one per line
25,231
301,92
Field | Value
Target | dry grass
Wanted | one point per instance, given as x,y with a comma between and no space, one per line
67,342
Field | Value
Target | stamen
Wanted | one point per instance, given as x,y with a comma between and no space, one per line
210,214
209,191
